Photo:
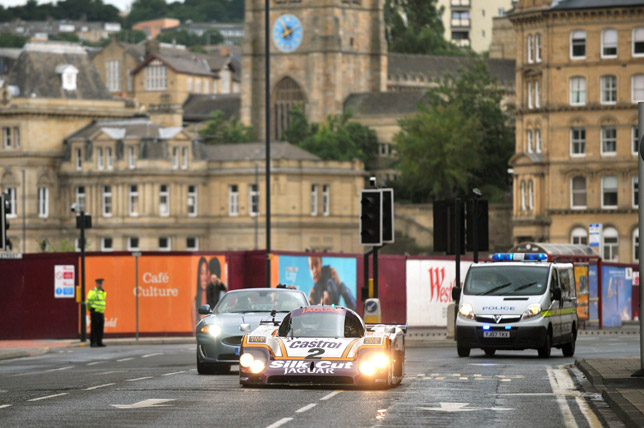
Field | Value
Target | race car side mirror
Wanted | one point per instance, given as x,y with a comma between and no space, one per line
456,294
204,309
244,327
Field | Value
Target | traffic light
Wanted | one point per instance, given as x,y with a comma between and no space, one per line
371,217
5,244
478,225
448,225
388,216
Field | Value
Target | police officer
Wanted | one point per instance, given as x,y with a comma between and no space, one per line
96,307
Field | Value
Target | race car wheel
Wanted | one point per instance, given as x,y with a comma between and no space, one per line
463,351
489,351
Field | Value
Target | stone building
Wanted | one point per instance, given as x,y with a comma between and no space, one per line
579,77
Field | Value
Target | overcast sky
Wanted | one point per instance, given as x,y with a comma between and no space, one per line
123,5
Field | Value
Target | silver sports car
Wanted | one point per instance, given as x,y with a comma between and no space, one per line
219,335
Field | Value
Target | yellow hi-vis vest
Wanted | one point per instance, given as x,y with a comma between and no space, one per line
96,300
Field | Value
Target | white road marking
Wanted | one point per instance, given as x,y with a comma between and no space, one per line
280,423
95,362
124,359
305,408
461,407
99,386
2,406
138,378
590,416
59,369
152,402
173,373
561,384
110,372
152,355
48,396
331,395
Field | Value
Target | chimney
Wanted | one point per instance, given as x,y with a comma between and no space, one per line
152,47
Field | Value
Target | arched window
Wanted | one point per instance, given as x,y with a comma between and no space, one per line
522,196
537,134
529,140
530,195
636,245
288,94
610,244
579,235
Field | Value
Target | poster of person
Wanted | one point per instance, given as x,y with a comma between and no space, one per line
325,280
593,295
616,295
581,280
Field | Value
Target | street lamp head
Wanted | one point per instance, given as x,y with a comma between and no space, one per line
477,192
74,207
372,181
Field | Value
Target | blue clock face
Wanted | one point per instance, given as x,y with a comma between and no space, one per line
287,33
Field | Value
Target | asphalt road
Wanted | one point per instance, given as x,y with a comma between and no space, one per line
158,386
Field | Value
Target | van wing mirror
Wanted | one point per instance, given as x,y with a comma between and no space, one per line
556,293
456,294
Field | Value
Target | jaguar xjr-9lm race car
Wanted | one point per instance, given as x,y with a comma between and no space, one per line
323,345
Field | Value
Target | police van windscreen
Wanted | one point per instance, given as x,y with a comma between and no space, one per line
517,280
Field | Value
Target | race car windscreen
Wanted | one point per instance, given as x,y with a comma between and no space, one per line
516,280
260,301
333,323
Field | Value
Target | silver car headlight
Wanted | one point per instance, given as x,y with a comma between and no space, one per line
212,329
532,311
466,311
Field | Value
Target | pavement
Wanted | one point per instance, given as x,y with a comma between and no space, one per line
611,377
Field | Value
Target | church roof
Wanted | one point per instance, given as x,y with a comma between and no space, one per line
384,103
255,151
124,129
198,107
591,4
436,66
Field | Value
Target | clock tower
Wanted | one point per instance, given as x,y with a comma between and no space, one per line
321,51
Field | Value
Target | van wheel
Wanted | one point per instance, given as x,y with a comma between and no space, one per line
463,351
569,348
544,351
489,351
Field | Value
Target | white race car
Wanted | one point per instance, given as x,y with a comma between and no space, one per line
323,345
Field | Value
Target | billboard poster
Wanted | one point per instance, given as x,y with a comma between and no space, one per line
429,291
616,295
593,296
326,280
170,289
64,281
581,281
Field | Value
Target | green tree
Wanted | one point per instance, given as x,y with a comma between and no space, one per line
189,39
8,40
145,10
415,26
65,37
130,36
221,131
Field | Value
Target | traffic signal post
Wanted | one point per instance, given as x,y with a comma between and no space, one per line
5,243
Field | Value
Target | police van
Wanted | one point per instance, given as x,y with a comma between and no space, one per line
520,301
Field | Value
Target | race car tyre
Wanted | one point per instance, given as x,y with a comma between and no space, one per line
463,351
569,348
489,351
544,351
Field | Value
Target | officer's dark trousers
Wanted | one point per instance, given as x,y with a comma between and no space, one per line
96,332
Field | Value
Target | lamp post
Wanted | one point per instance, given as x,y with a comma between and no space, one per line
475,219
83,221
267,108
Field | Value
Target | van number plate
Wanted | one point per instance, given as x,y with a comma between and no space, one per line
496,334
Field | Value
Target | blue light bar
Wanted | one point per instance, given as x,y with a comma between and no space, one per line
503,257
536,256
507,327
517,257
486,327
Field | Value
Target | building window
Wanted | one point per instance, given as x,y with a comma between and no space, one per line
108,157
133,201
326,202
164,200
192,201
189,84
314,199
537,94
635,135
197,85
156,76
206,86
130,157
609,140
16,137
184,158
530,102
192,243
529,140
107,244
175,157
133,243
530,195
6,137
43,202
107,201
578,192
537,47
253,200
165,243
79,159
577,141
10,201
233,200
99,158
537,134
129,80
636,245
636,191
638,41
610,245
501,11
577,91
113,76
609,43
530,50
522,195
608,89
578,44
638,88
80,198
609,192
579,236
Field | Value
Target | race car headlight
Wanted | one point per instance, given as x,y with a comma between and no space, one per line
380,361
372,363
466,311
367,368
532,311
246,360
212,329
257,366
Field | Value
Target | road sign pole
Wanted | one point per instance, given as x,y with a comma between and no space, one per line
640,203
